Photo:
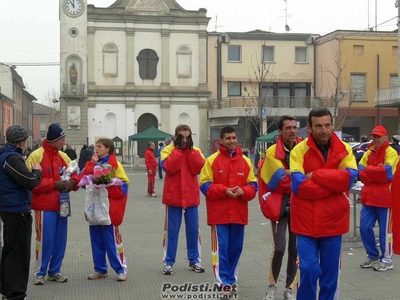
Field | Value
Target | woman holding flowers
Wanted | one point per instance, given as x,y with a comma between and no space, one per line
106,238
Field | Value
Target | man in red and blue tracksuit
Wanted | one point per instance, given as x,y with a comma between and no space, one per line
323,170
182,163
227,180
51,227
376,170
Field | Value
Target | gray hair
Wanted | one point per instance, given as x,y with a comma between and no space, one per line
168,140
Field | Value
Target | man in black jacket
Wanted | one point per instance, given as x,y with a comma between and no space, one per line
70,152
15,199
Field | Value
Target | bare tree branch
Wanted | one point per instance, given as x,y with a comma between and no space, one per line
338,95
257,97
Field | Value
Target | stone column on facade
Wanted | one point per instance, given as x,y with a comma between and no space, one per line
165,114
203,60
130,58
91,57
165,58
203,130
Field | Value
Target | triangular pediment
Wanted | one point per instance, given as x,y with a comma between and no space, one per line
154,6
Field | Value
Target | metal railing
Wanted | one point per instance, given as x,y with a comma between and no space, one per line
388,96
73,90
275,102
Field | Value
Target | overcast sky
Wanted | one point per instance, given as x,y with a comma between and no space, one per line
29,30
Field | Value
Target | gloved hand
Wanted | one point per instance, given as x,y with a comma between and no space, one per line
60,185
69,186
190,142
178,141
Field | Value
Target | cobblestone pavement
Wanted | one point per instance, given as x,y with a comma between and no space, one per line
142,232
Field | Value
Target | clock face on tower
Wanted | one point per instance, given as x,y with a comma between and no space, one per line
73,8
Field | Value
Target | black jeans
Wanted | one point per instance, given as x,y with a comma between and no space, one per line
279,250
160,169
14,267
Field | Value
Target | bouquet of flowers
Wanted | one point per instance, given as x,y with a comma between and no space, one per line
102,177
97,205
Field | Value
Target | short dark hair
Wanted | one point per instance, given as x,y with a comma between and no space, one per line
108,143
160,144
182,127
284,118
364,139
227,129
318,112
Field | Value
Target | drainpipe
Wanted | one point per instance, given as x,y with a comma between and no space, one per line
219,72
377,87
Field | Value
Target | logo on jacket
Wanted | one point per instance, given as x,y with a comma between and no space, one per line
220,171
240,173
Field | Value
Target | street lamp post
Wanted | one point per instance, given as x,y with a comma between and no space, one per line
55,101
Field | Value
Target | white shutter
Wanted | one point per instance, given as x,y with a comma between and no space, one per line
394,80
358,87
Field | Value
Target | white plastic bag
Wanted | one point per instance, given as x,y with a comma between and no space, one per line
97,206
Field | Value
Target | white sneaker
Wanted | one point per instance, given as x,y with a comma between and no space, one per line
96,275
57,278
288,294
122,277
271,292
39,280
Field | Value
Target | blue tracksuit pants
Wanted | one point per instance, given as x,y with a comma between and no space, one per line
51,242
319,260
172,225
369,216
107,239
227,244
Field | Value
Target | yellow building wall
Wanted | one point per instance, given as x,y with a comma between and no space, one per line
384,46
212,65
284,69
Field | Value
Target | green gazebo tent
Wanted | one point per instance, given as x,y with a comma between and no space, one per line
150,134
268,138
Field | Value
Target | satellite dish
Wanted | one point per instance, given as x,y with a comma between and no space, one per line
287,28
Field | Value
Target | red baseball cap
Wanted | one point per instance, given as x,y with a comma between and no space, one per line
379,131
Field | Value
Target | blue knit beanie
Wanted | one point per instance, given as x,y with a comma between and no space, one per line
55,133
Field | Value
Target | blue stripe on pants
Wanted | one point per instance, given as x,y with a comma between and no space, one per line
174,216
319,259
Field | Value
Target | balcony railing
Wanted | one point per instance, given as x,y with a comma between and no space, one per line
73,90
388,96
274,102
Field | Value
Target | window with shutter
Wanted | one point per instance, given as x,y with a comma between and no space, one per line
147,60
357,87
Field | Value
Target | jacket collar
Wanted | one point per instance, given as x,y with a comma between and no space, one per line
281,149
48,147
237,153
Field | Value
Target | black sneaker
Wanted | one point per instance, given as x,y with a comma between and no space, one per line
167,270
196,268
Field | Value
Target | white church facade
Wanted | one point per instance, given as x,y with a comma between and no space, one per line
135,64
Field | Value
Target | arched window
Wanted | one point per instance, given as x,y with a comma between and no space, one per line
110,60
148,61
184,61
